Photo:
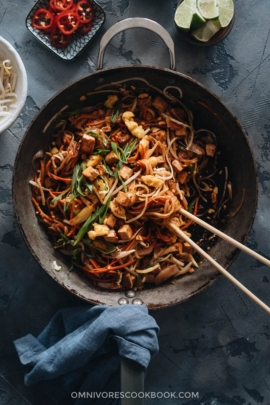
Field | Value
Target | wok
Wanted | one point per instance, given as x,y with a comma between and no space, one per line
209,112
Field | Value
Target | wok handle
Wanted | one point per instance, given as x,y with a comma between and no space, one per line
132,381
136,22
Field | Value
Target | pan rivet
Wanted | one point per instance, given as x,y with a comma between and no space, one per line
122,301
137,301
130,294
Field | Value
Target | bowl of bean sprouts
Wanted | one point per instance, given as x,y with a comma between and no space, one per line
13,84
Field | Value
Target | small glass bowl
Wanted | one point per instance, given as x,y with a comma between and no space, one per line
218,37
78,42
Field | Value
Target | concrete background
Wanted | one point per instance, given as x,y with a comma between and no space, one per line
218,342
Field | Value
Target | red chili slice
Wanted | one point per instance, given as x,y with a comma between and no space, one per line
61,5
85,11
43,19
84,28
59,40
67,21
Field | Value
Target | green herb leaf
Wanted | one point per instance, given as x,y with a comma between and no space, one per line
116,111
100,151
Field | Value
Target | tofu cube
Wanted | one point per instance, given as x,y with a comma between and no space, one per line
123,199
90,173
111,237
177,166
110,220
125,232
187,248
87,144
125,172
111,158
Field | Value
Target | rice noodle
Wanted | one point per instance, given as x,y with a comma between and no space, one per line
107,203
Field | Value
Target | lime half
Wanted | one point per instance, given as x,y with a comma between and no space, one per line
208,9
226,11
188,16
207,31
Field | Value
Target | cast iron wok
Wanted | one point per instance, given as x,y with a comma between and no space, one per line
209,112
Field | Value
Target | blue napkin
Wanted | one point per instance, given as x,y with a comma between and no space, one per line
80,349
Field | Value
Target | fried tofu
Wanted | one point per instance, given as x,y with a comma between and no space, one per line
187,248
111,158
177,166
123,199
90,173
110,220
112,236
125,172
87,144
125,232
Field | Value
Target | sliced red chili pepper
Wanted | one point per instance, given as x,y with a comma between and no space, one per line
61,5
67,22
43,19
59,40
85,11
84,28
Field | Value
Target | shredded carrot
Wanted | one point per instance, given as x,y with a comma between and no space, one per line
65,180
41,213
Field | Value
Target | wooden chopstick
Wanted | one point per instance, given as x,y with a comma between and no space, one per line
225,237
219,267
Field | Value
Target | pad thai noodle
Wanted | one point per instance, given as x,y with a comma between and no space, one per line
115,176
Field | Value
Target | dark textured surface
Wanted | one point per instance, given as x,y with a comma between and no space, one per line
218,342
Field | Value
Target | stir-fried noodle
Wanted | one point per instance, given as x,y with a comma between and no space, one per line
116,175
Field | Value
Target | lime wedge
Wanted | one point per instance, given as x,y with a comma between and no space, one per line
208,9
207,31
226,11
188,16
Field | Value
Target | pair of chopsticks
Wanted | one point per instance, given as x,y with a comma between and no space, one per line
228,239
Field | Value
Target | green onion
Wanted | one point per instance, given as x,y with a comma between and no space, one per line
76,173
123,183
100,151
96,135
99,213
191,205
116,111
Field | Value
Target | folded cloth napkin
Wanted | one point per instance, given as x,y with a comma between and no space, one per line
79,351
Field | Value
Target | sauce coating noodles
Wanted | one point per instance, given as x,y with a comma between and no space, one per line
116,174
